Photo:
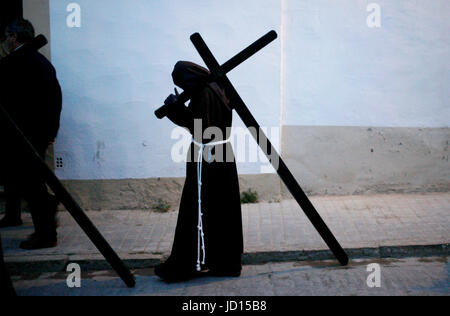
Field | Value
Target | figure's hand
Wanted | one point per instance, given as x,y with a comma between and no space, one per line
172,99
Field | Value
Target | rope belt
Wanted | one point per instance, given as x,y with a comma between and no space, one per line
201,235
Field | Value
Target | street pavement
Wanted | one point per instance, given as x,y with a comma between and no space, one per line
358,222
393,227
398,277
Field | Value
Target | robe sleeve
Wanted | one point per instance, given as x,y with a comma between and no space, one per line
205,106
181,116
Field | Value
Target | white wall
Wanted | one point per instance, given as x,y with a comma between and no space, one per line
340,72
328,68
115,70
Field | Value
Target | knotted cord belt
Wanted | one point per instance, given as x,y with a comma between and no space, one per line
201,235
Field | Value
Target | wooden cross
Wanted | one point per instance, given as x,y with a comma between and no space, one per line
218,73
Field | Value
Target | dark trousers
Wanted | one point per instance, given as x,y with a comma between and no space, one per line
13,202
23,180
6,286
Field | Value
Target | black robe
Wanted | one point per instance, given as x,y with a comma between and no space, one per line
220,195
31,94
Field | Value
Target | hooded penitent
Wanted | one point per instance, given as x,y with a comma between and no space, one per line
218,204
188,75
192,77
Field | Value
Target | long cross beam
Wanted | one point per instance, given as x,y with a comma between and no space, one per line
55,185
279,165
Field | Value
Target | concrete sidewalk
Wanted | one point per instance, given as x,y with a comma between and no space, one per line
366,226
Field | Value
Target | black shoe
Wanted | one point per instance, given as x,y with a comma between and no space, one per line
6,222
38,242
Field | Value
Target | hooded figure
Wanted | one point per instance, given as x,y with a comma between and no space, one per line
208,234
30,93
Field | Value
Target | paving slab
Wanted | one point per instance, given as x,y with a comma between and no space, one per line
365,225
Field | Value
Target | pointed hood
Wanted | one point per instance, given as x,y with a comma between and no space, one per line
190,76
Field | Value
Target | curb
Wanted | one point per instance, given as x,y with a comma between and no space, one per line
382,252
58,263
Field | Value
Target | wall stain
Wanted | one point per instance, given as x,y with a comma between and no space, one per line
98,157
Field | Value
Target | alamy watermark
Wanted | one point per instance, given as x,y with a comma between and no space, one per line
374,18
243,147
374,278
74,17
74,278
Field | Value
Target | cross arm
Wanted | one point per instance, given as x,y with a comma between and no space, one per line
218,71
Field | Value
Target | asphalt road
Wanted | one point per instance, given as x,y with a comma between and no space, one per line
407,276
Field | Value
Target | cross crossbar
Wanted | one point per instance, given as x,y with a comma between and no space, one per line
225,68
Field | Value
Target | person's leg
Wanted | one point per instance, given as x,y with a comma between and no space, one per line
43,208
12,196
6,286
181,265
223,220
12,207
13,199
